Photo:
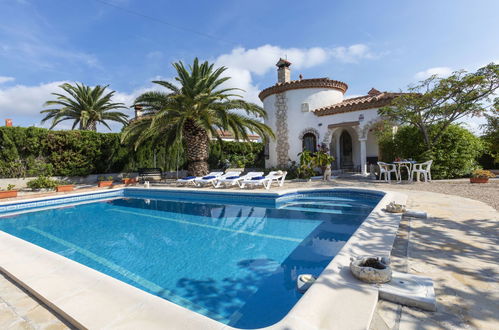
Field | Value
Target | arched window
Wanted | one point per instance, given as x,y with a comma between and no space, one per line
309,142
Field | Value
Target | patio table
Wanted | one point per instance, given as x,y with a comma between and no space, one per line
408,165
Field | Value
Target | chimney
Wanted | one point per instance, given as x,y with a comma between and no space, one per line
8,122
138,111
283,71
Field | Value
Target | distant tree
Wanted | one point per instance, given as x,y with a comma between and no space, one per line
491,132
439,102
86,106
190,114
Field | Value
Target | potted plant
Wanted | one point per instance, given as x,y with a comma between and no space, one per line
42,182
322,159
63,186
481,176
305,171
105,182
128,180
9,192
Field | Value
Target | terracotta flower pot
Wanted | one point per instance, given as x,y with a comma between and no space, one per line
479,180
105,184
128,181
8,193
66,187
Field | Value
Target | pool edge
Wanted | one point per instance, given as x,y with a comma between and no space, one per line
309,312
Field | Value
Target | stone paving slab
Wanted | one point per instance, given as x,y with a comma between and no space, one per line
457,247
18,310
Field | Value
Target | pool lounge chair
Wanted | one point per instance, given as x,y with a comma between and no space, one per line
266,181
212,178
192,179
233,180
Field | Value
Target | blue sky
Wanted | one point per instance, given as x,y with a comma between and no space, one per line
127,43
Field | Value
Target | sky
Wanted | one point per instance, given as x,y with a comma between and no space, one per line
128,43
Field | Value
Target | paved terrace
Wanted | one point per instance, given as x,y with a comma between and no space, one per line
456,246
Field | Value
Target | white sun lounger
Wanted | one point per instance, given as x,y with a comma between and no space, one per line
212,178
266,181
192,179
233,180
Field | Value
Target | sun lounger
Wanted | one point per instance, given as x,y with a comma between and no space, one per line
236,179
266,181
213,177
187,179
192,179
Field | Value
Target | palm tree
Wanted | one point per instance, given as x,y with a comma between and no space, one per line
86,106
190,114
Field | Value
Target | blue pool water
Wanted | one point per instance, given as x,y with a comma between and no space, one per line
234,263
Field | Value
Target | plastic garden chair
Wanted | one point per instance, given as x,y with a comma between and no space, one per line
422,168
387,170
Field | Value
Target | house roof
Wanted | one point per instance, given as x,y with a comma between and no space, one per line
228,135
304,83
374,99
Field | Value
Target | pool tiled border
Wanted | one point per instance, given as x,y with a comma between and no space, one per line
91,299
57,200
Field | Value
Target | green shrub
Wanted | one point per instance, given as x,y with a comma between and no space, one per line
36,151
453,156
237,154
42,182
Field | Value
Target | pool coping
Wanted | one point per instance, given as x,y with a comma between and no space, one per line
95,300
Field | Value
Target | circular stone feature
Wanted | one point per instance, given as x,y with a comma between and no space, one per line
371,269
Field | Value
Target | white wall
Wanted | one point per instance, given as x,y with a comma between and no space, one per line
298,121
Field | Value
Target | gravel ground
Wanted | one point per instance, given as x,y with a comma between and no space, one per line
487,193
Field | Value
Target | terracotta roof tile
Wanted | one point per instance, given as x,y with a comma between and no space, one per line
372,100
229,135
304,83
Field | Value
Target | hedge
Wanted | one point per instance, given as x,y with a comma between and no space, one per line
454,156
36,151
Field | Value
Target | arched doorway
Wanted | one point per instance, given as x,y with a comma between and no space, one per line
346,151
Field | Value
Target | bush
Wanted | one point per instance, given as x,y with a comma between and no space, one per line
237,154
36,151
453,156
42,182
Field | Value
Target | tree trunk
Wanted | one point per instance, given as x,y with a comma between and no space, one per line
196,148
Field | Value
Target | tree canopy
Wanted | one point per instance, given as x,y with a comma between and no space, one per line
86,106
439,102
192,112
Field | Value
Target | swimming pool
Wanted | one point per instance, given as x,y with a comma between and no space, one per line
232,258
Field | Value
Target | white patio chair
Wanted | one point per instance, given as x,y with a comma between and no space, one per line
387,170
213,177
422,168
233,180
266,181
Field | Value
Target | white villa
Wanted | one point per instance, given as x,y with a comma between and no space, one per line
308,113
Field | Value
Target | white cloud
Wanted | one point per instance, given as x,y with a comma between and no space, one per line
26,100
243,63
4,79
441,71
353,53
23,103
